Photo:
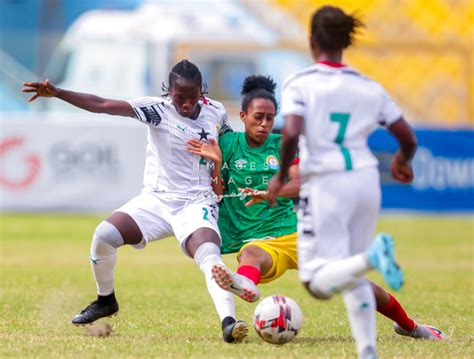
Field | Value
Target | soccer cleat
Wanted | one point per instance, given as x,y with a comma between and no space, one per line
235,332
235,283
421,331
382,257
95,311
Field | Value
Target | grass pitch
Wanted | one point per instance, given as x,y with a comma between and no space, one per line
166,311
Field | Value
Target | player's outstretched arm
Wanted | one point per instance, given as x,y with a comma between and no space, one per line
85,101
400,166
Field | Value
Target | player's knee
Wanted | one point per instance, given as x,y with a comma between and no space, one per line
199,237
107,234
252,252
257,257
315,292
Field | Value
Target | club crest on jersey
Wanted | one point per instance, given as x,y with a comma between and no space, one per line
272,162
240,164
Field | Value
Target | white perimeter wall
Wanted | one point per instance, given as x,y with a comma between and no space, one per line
69,162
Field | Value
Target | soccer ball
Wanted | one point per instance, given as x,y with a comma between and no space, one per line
277,319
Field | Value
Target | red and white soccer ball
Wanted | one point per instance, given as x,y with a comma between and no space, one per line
277,319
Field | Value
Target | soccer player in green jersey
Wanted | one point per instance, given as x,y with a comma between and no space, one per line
264,236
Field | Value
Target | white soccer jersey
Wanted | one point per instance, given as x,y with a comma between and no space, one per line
169,167
341,108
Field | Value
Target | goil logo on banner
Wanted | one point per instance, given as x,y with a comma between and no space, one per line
31,161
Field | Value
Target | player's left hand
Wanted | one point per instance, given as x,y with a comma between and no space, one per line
401,169
273,188
257,196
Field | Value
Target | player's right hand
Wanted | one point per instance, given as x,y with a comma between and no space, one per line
401,169
41,89
273,188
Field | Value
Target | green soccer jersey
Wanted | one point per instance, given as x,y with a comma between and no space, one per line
243,166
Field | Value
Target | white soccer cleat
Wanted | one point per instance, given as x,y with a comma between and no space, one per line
235,283
421,331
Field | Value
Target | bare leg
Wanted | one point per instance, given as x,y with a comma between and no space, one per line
256,257
201,236
127,227
381,295
254,262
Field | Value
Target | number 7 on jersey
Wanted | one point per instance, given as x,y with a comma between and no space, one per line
342,119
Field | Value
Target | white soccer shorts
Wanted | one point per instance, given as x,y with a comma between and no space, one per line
160,215
336,217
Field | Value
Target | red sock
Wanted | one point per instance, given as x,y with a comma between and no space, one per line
251,272
395,311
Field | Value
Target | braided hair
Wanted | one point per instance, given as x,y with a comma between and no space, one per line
334,30
185,70
258,86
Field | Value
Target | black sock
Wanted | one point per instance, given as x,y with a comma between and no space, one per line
227,321
106,299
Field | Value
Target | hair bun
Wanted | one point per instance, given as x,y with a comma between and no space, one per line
257,82
333,29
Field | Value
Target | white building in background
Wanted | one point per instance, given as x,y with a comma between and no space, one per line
127,54
70,160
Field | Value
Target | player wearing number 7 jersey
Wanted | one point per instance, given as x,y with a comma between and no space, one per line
331,109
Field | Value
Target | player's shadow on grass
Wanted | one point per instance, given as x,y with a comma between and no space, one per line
323,339
340,339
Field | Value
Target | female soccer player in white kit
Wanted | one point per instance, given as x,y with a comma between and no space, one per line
177,198
331,109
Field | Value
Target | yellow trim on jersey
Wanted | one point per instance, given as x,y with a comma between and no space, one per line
283,252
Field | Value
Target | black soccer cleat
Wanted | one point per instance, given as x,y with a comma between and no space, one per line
95,311
234,331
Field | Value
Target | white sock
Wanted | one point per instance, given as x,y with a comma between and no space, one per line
337,276
360,306
206,256
103,256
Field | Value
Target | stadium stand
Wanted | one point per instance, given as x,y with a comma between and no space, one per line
427,52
